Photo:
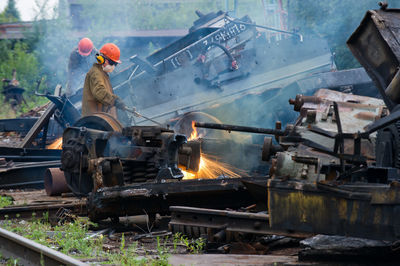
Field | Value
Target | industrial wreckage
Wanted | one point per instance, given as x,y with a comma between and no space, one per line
334,171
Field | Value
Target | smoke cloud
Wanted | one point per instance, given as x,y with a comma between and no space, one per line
261,93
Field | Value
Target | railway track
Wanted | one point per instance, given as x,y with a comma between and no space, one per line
29,252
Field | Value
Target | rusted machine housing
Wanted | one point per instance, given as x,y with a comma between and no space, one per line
94,158
309,149
376,45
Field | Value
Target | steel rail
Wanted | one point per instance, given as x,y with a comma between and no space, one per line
184,218
21,212
29,252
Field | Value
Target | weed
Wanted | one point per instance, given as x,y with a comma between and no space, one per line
197,246
5,201
162,253
176,240
127,255
71,238
8,261
193,246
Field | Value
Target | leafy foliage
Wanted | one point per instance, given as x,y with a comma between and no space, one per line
10,14
16,55
334,20
194,246
5,201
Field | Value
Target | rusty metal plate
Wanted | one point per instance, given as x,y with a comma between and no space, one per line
335,210
376,45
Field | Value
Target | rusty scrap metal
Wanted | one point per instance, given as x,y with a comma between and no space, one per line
26,167
359,210
62,109
38,210
346,249
375,44
38,126
193,221
269,149
105,154
25,174
54,182
332,125
151,198
378,32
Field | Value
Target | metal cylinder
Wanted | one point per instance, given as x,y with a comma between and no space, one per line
54,182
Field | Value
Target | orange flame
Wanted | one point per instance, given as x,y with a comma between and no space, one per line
194,134
56,145
208,168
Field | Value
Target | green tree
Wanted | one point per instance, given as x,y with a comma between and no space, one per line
333,20
10,14
15,55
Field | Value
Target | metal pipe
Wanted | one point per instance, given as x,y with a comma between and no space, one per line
240,128
54,182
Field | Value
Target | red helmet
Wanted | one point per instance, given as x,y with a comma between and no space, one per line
85,46
111,51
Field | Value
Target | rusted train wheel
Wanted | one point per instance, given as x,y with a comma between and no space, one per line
74,152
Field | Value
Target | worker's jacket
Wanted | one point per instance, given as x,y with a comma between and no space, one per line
98,95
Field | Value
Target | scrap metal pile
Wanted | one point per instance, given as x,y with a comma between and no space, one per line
334,171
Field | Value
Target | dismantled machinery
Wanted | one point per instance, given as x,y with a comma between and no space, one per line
134,170
99,152
336,171
26,164
220,60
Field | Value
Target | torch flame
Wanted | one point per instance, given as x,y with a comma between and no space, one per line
209,168
194,134
56,145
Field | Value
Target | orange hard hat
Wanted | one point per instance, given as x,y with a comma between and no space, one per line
85,46
111,51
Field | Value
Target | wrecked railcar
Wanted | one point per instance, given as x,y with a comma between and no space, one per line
221,59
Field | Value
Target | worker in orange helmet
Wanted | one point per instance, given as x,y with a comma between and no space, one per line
98,94
80,61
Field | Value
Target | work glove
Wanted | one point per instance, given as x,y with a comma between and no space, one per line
119,104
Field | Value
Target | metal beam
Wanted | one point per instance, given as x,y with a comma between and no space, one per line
38,126
231,221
